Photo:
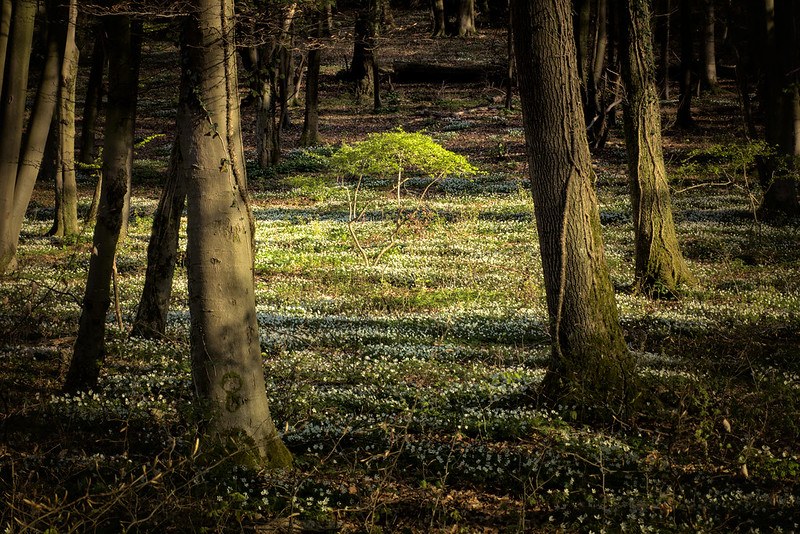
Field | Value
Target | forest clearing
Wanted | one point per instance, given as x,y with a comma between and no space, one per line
404,331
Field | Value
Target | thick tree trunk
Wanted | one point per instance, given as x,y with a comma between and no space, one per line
779,173
465,18
590,362
362,67
684,119
709,48
226,355
123,72
93,101
660,267
162,253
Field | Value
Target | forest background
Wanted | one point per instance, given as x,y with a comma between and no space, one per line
404,325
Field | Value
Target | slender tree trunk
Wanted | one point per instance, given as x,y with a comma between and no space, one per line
66,216
594,103
660,267
684,119
662,37
590,362
162,253
226,355
709,46
510,61
123,72
93,101
310,135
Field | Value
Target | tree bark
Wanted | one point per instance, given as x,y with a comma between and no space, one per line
662,37
684,118
465,18
779,172
709,47
93,100
5,30
590,363
437,10
123,73
660,267
226,356
310,135
362,66
162,253
66,187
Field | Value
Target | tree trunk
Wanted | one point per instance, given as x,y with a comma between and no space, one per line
660,267
437,10
162,253
310,135
465,18
663,37
779,173
590,363
226,355
123,72
684,119
66,216
93,101
19,169
5,29
361,68
581,19
709,47
595,99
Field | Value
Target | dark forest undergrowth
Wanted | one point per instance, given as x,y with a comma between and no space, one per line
405,390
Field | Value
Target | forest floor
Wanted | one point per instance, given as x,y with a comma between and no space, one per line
403,389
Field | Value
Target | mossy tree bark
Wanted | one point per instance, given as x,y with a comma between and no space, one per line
226,356
660,267
123,74
162,253
20,161
590,363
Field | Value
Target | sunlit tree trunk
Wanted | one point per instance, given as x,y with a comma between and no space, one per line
226,355
66,188
590,363
310,135
660,267
89,350
162,253
20,161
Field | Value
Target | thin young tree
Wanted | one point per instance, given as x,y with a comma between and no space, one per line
590,363
123,77
226,354
162,253
660,267
684,118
